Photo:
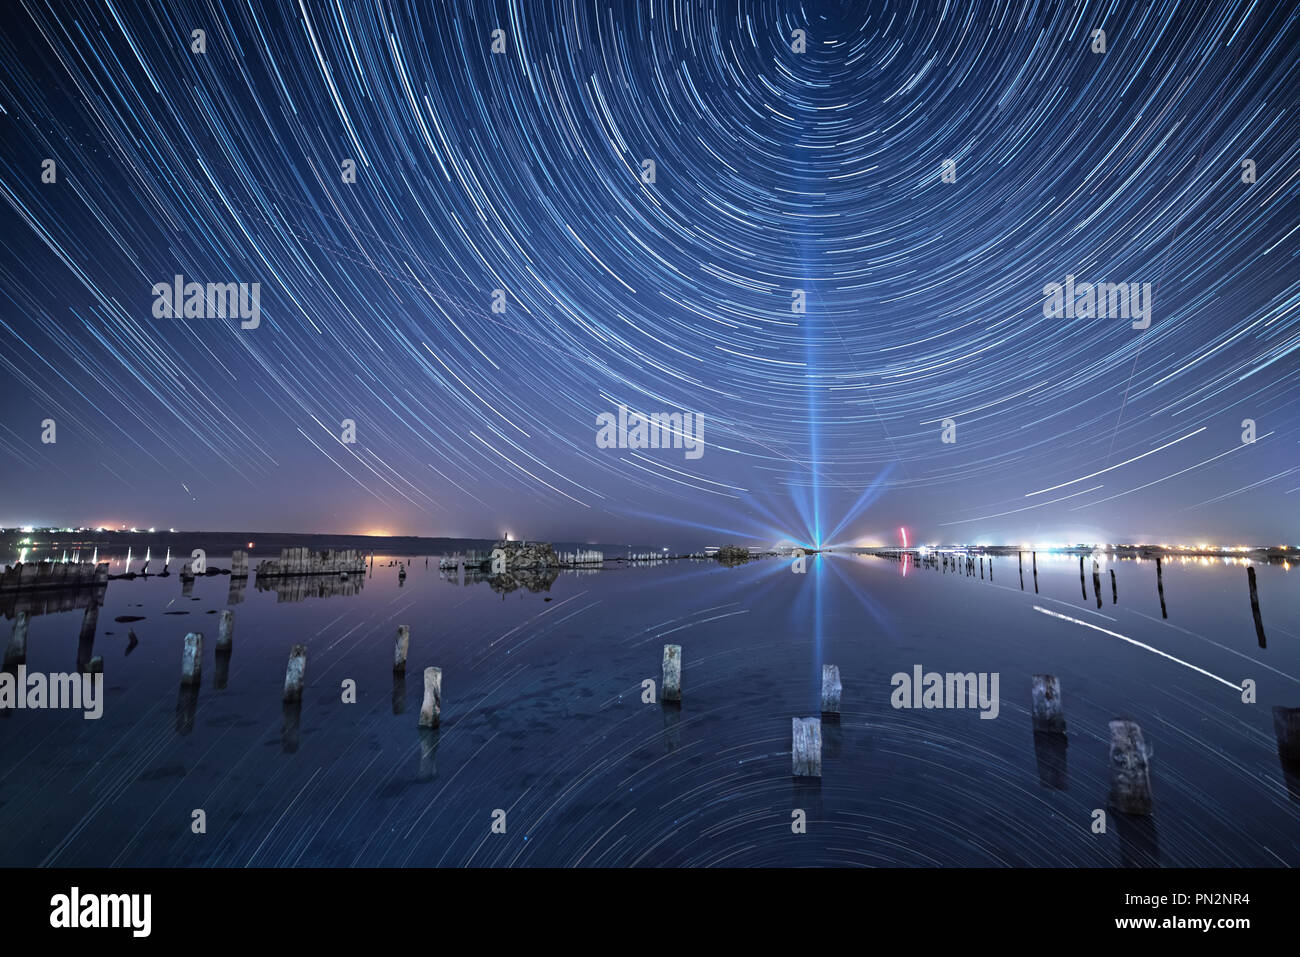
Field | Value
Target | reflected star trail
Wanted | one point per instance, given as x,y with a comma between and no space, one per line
775,171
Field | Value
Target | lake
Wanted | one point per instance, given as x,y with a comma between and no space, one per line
545,732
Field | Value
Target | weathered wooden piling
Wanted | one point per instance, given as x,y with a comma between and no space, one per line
1096,582
1286,726
431,710
1114,592
807,747
672,676
95,665
239,564
1254,606
981,567
831,689
295,673
192,658
1034,555
1083,584
16,650
399,650
226,631
1160,587
307,561
1048,713
1130,772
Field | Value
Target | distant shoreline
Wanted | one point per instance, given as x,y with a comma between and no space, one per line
270,543
265,543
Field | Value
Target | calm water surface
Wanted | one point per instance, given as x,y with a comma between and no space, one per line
543,718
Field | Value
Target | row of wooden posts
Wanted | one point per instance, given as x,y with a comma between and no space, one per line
295,674
966,564
1129,757
1130,773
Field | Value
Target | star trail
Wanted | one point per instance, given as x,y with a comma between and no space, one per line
461,251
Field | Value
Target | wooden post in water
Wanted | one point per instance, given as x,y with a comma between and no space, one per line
1096,582
832,689
431,710
400,649
1114,592
16,650
1254,606
1160,587
295,673
1048,712
1082,583
226,631
1035,558
807,747
192,658
672,673
1130,772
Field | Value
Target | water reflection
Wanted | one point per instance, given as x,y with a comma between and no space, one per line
1139,845
295,588
50,601
542,717
291,728
1050,756
187,705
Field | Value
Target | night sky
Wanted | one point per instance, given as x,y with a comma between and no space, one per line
774,171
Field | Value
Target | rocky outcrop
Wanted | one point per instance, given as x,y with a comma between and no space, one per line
514,556
732,555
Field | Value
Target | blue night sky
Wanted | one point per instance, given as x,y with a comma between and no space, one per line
774,171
